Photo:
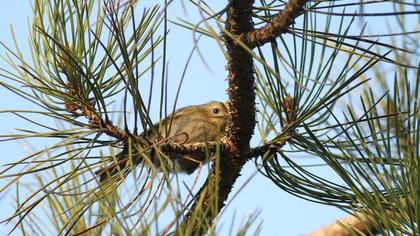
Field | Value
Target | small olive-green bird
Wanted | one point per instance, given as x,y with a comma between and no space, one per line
199,123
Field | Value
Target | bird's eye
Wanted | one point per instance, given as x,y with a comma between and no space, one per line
216,110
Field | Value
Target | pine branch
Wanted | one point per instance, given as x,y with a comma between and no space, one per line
241,123
80,104
278,25
241,120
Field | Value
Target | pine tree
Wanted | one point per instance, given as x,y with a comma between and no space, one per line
304,78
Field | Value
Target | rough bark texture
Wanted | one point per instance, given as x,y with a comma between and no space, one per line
241,121
80,105
279,25
241,91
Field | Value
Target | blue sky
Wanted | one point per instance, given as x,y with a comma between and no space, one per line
281,213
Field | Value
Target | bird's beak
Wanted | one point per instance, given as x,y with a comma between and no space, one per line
227,104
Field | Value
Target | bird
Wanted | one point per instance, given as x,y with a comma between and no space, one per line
191,124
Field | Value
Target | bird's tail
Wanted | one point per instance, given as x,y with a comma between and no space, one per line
118,167
122,163
125,161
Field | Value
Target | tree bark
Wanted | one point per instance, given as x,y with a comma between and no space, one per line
240,37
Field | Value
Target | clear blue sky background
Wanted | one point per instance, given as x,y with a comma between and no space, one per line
281,213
